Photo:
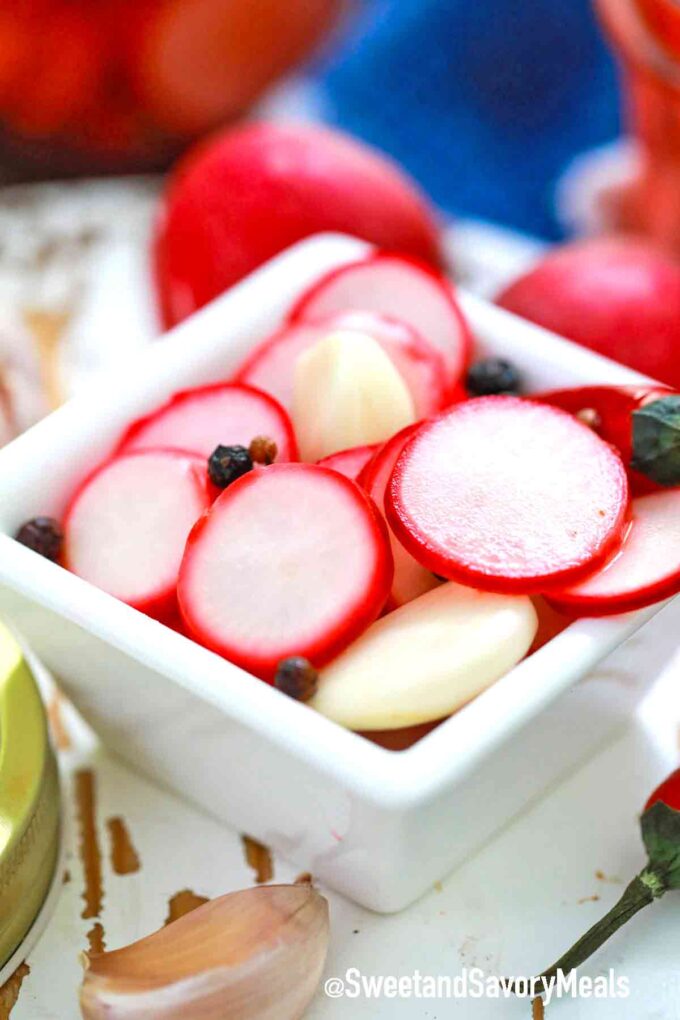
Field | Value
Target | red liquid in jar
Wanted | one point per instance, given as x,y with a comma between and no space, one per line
646,36
122,85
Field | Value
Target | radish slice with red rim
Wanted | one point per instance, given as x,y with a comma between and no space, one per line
271,366
126,527
504,494
292,559
224,414
350,463
402,288
411,579
608,410
645,570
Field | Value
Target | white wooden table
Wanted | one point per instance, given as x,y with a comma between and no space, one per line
511,909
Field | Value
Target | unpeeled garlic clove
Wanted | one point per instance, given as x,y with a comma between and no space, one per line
251,955
347,392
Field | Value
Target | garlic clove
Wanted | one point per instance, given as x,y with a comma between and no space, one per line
252,955
424,661
347,392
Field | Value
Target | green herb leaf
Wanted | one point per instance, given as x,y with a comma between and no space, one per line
656,440
661,836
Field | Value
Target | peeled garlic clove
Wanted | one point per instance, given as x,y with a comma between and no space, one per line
347,393
251,955
424,661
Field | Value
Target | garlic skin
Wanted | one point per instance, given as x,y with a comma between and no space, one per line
252,955
347,392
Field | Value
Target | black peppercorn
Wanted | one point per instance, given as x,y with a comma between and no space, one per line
227,463
43,535
491,377
297,678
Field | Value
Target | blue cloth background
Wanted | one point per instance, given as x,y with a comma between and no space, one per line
484,101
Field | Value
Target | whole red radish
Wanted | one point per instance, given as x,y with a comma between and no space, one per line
618,297
252,191
667,793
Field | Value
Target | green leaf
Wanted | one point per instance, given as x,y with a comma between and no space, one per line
661,836
656,440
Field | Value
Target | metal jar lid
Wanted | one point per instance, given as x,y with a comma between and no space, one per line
29,799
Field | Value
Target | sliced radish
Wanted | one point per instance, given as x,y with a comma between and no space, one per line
427,659
225,414
399,287
347,393
350,463
508,495
644,571
292,559
271,366
127,526
410,578
608,410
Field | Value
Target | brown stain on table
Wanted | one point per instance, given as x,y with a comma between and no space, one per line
612,879
58,729
95,940
48,329
183,903
259,858
88,843
9,992
124,857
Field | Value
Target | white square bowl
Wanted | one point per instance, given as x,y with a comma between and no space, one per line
377,825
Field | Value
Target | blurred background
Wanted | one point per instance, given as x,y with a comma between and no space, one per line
523,124
486,104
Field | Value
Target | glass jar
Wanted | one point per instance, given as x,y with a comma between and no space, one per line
124,85
646,36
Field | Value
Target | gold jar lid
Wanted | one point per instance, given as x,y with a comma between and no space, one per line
29,799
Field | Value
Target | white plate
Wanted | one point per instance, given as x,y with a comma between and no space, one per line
379,826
